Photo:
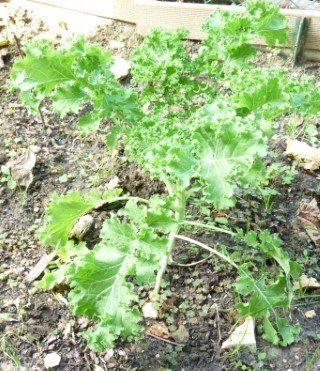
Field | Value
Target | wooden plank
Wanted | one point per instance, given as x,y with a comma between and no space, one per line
122,10
151,13
148,14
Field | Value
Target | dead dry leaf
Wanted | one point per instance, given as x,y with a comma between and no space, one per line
242,336
21,168
309,216
159,329
306,282
301,151
42,264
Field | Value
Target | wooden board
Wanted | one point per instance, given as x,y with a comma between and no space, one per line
147,14
122,10
168,15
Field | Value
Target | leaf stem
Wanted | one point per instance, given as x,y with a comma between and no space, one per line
208,248
127,198
208,226
194,263
180,215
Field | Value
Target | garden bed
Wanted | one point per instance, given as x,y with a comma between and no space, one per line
199,298
147,14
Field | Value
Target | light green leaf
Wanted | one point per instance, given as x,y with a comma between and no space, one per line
63,212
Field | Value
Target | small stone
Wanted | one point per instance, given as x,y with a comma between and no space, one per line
181,335
114,44
51,360
97,368
120,68
35,149
109,354
149,311
310,314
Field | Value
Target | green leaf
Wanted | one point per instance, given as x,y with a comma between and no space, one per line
269,332
264,297
88,123
288,332
182,166
68,99
64,211
223,157
98,280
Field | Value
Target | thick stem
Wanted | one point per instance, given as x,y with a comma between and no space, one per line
201,225
180,215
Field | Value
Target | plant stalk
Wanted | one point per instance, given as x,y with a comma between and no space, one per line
202,225
206,247
179,215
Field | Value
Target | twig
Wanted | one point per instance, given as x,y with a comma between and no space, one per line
217,321
165,340
42,117
18,45
208,248
208,226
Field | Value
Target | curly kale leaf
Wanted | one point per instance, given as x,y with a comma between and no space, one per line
73,76
64,211
100,289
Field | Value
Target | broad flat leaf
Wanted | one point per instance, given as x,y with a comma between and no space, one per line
260,94
64,211
98,280
182,166
287,331
99,288
43,68
271,245
264,297
68,99
269,332
267,21
88,123
224,157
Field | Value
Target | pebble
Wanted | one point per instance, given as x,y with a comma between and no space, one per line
310,314
51,360
109,354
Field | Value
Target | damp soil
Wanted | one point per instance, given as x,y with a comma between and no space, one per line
198,298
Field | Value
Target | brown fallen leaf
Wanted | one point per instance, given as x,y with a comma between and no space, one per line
21,167
309,217
301,151
42,264
159,329
306,282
